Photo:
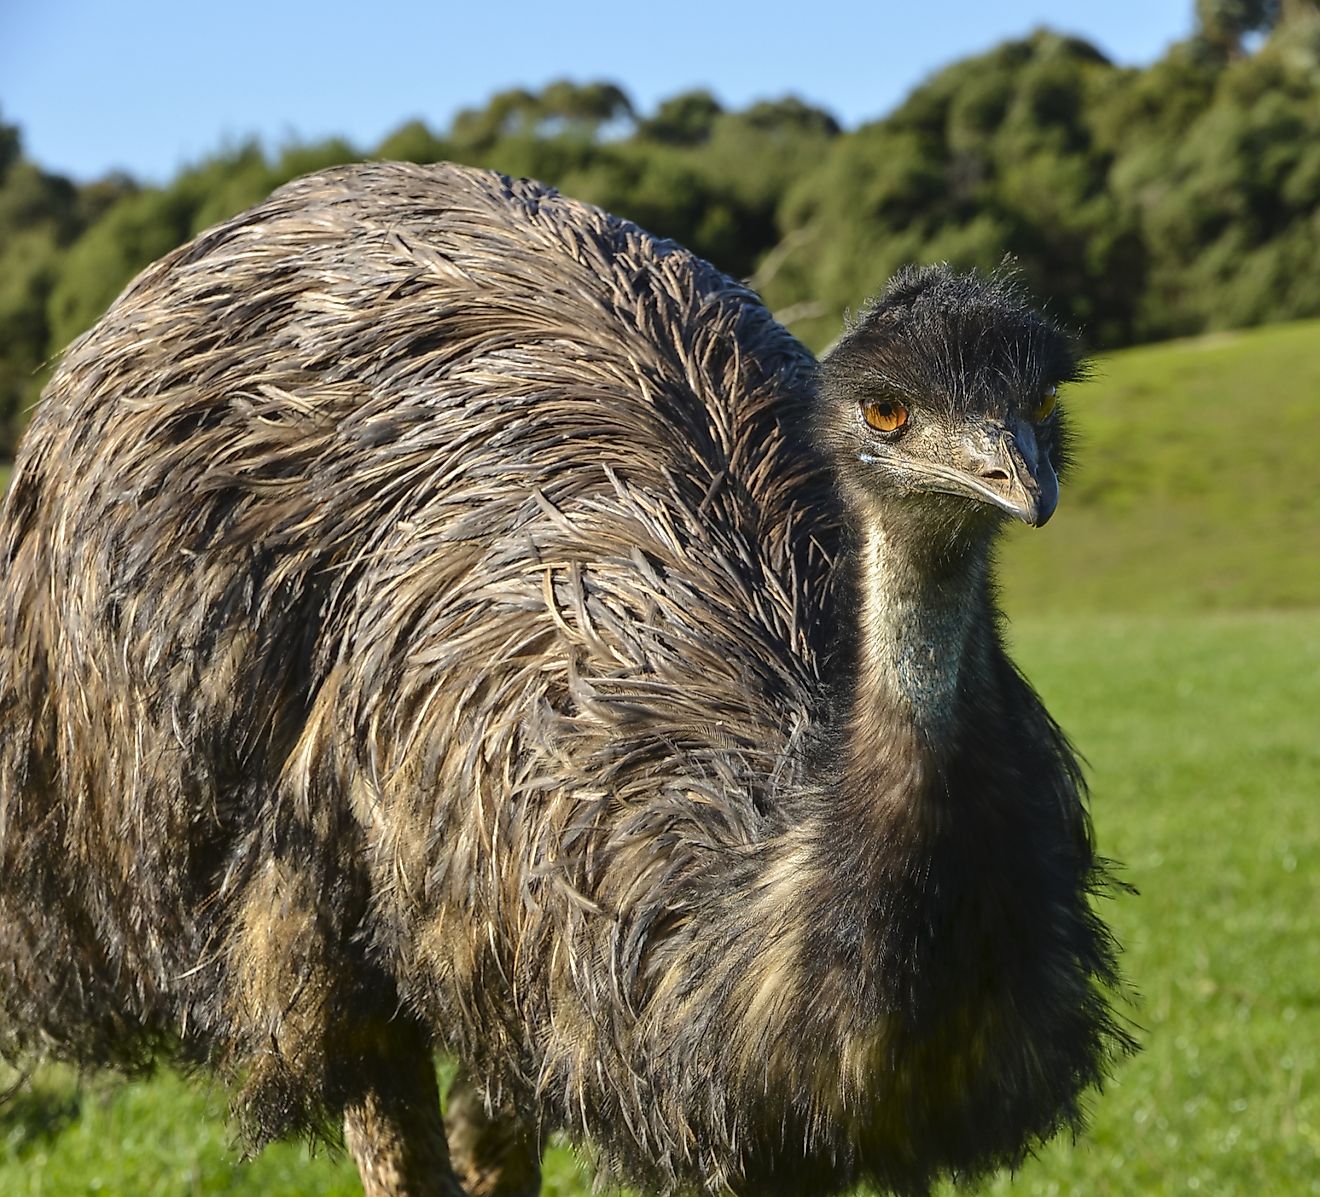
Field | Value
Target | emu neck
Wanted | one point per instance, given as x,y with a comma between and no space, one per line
895,837
921,609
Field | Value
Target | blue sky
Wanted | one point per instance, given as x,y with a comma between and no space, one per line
147,86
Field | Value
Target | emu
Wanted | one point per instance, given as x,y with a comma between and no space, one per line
437,615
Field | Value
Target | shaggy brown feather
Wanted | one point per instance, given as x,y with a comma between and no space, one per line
424,618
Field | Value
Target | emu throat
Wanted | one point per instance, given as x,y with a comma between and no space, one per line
918,627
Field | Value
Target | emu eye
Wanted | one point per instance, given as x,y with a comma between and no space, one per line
1046,404
885,415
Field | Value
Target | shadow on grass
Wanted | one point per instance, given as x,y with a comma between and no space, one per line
31,1115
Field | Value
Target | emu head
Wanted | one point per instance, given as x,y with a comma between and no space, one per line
938,406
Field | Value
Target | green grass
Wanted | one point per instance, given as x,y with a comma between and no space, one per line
166,1137
1171,617
1205,769
1194,488
1205,766
1195,483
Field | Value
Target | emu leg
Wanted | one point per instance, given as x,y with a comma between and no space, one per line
394,1132
494,1156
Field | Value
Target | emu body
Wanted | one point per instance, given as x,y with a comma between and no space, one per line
438,614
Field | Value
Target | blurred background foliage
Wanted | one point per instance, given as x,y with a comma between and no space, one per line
1144,203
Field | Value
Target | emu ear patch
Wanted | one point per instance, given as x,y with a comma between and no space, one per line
1045,405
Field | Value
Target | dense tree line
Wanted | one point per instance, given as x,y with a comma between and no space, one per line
1144,203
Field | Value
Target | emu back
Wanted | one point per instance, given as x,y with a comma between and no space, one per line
418,630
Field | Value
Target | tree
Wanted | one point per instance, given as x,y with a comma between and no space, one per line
414,142
40,214
1143,203
996,155
1224,24
790,116
11,148
561,109
582,110
684,120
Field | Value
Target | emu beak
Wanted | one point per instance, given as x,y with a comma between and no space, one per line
1007,469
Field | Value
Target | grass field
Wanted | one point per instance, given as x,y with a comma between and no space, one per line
1195,484
1171,618
1206,768
1194,489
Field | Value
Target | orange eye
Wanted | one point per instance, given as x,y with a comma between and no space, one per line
1049,398
885,415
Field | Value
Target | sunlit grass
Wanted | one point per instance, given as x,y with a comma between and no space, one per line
1194,488
1194,493
167,1137
1205,767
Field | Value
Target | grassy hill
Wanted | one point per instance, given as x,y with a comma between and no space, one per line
1200,730
1195,487
1153,614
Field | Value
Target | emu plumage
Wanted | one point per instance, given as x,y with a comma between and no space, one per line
436,613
